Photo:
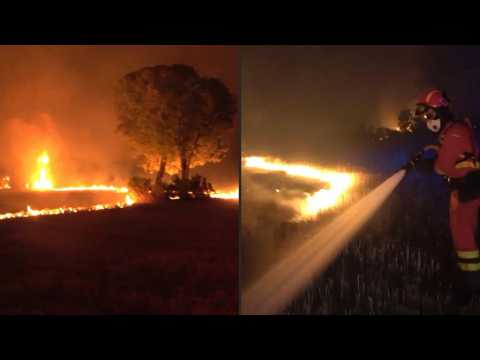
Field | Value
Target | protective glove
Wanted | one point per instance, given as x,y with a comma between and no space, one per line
414,160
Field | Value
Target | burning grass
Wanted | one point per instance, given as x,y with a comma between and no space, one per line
309,204
227,195
77,202
273,223
42,181
58,211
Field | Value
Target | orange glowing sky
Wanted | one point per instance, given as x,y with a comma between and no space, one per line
59,98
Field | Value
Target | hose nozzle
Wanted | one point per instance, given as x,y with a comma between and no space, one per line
414,160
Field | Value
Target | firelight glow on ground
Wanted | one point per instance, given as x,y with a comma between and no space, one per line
324,199
285,280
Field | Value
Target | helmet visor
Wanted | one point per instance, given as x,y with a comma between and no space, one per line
424,113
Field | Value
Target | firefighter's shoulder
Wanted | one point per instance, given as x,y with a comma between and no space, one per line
458,130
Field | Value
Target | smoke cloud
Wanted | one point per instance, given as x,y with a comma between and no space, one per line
307,103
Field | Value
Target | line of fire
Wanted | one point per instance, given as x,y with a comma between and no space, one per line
112,196
42,182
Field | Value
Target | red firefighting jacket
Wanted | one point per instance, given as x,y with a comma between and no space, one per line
457,155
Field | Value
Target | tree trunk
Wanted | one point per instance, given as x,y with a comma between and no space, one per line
185,168
160,173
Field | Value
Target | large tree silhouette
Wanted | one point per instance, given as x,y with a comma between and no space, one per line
175,118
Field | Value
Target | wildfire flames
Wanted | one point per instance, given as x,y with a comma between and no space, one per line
323,199
58,211
42,177
232,195
5,183
43,181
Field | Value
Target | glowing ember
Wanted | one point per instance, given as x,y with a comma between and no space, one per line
312,204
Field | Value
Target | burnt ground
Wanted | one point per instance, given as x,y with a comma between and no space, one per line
176,257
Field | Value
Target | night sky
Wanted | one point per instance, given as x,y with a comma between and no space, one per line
61,97
307,103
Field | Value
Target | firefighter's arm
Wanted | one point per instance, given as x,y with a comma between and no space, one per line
455,143
419,162
426,164
416,162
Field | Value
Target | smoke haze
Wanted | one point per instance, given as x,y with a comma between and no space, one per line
60,99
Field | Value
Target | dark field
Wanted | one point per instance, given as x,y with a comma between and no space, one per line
176,257
14,201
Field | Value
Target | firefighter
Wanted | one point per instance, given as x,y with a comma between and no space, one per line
457,162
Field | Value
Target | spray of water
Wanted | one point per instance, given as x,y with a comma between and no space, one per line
280,285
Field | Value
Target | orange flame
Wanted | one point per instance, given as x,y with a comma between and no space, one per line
58,211
5,183
129,200
324,199
42,179
232,195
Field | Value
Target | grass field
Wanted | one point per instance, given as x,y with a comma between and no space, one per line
175,257
401,262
